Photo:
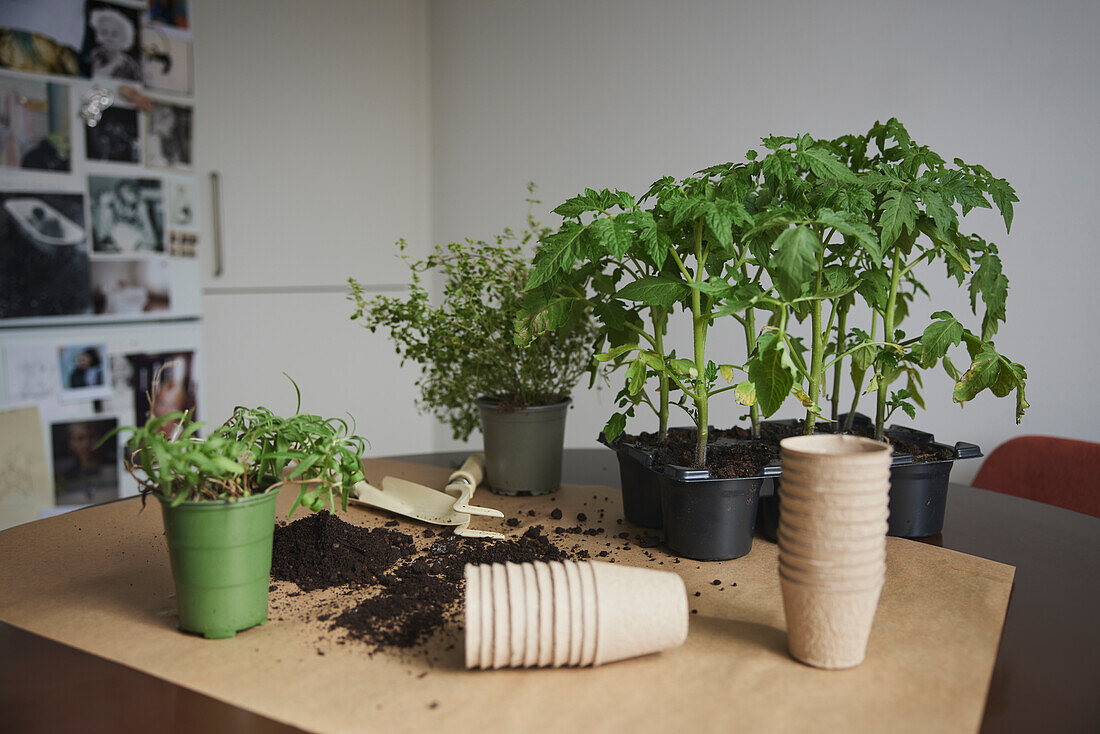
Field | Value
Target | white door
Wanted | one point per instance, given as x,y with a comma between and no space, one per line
315,117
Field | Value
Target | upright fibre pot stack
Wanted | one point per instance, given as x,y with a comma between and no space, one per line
832,544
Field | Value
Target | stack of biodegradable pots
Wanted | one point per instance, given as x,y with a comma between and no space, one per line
523,446
570,614
832,544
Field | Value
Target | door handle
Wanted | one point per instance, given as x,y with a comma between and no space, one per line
216,220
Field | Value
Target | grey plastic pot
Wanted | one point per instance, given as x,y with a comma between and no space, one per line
523,446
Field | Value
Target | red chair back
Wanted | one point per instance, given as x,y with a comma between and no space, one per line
1058,471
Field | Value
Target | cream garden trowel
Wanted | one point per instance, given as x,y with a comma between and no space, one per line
449,507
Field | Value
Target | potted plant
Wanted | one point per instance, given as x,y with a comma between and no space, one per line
217,496
472,370
918,203
897,210
683,251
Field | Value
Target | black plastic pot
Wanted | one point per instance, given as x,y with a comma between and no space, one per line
709,519
640,489
918,490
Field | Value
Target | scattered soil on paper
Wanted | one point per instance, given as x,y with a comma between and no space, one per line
411,593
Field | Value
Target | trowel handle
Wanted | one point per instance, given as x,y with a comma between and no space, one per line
472,470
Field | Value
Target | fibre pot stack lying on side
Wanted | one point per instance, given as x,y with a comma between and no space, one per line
832,545
570,614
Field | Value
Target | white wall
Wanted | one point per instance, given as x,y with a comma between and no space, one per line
576,93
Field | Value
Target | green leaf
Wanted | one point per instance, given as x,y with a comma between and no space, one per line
745,393
739,298
795,260
939,337
726,370
991,284
943,215
850,227
983,372
613,235
1003,195
655,291
635,377
899,214
615,427
227,465
771,372
684,367
558,252
614,353
652,360
824,164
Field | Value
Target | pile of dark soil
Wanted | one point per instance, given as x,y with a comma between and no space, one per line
732,453
320,551
415,592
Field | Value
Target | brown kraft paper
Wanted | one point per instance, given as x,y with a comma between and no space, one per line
98,580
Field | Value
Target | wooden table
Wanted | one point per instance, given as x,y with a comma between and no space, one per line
1046,677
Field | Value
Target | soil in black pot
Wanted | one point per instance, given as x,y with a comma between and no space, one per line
726,459
733,453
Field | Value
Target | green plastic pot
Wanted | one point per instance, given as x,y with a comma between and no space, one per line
221,562
523,447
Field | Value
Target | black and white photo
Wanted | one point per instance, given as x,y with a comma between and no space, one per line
115,137
168,136
44,269
85,372
85,466
127,214
166,60
114,49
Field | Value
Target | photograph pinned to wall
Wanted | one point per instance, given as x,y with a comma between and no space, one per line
168,136
131,286
85,471
182,244
173,13
127,214
85,372
25,490
181,195
33,374
34,125
42,36
166,59
115,137
174,390
44,269
112,41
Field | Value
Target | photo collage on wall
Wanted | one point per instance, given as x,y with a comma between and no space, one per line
112,201
83,391
99,212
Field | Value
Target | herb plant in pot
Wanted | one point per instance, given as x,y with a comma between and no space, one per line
472,370
217,496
